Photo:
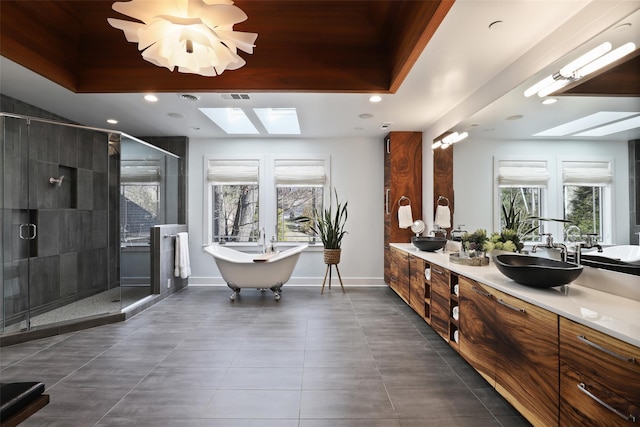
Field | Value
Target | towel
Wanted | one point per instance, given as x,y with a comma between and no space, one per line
443,217
405,217
182,266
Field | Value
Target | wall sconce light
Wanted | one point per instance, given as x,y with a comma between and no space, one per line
447,139
588,63
194,35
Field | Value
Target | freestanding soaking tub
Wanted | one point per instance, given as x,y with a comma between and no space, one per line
246,270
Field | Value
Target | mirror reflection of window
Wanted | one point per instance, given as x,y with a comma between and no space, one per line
140,182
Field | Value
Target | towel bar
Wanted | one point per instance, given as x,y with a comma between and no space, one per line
170,235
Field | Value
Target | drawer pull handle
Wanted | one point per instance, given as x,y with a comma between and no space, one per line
583,388
481,292
606,350
436,270
512,307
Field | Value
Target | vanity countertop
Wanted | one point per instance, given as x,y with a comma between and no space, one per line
613,315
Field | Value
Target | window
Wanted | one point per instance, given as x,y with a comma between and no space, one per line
522,183
248,200
299,192
139,200
233,195
585,190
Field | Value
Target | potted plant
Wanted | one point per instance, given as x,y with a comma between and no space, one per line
330,226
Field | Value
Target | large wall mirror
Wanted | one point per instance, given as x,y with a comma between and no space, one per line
515,127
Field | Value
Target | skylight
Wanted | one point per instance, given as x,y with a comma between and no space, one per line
616,127
587,122
231,120
279,121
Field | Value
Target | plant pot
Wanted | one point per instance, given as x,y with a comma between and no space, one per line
332,256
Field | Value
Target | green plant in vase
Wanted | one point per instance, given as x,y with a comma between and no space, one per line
476,243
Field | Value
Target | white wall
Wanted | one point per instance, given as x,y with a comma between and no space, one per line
357,173
473,177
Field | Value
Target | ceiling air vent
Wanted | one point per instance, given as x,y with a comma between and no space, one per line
188,97
243,96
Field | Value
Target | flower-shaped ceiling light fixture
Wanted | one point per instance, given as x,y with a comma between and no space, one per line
194,35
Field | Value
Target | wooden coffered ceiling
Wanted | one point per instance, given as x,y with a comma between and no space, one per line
302,46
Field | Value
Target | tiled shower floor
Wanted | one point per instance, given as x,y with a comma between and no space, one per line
360,359
111,301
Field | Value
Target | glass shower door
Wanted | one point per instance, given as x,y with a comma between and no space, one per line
19,230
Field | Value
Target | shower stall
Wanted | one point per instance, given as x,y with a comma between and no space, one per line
77,204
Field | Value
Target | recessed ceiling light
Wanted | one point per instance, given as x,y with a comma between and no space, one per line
366,116
176,115
151,98
112,121
496,25
375,98
515,117
550,101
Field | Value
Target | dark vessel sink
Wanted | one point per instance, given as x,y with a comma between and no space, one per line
428,244
537,272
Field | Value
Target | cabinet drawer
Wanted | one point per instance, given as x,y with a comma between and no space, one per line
440,281
600,359
586,402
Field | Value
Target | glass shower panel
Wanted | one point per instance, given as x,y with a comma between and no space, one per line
56,235
148,197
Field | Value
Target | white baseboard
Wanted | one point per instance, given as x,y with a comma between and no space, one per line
296,281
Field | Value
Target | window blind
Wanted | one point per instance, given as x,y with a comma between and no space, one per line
233,172
140,172
517,173
591,173
300,173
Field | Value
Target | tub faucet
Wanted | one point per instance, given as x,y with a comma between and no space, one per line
262,240
551,245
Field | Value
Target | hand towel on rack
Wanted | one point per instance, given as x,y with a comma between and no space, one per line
443,217
405,217
182,266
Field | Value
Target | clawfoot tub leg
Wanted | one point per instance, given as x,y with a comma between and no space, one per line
277,290
235,289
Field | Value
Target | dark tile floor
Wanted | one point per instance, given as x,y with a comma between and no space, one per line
362,359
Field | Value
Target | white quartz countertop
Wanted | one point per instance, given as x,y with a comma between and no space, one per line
613,315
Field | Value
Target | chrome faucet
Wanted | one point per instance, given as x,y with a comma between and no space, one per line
591,241
551,245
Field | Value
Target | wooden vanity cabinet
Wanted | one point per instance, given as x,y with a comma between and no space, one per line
440,292
417,285
527,367
402,177
514,346
599,378
399,273
477,340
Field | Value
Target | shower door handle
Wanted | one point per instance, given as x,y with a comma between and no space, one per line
29,228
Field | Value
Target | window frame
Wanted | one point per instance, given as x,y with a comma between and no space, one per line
608,199
267,194
552,197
